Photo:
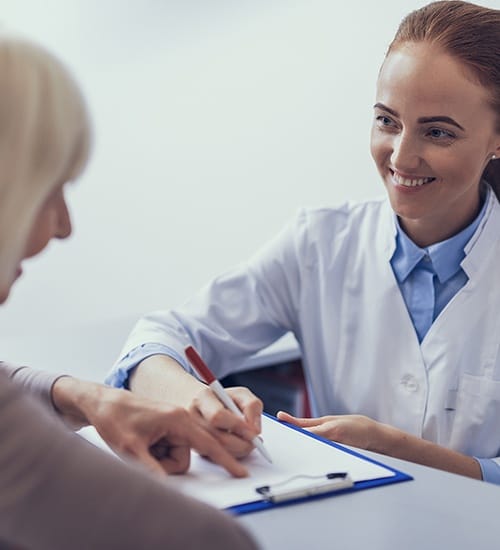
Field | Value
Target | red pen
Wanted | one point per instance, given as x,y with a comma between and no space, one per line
207,375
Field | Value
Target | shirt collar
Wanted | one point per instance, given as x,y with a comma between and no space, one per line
445,256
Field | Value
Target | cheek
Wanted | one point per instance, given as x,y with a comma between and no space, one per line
459,166
379,148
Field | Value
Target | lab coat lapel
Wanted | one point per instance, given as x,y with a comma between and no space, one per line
404,367
394,303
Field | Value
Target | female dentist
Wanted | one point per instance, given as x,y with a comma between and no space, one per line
395,302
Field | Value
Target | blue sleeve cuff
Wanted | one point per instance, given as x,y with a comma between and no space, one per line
490,470
119,375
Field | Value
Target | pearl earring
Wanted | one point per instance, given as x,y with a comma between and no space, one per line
493,157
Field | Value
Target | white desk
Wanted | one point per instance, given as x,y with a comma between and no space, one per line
436,510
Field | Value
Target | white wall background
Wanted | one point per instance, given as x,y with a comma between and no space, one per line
214,121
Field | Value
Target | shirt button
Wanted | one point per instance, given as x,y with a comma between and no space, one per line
409,383
427,258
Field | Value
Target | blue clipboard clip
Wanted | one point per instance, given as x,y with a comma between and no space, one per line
300,486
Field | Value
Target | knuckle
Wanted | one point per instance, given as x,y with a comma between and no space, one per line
205,393
258,405
128,444
196,402
242,391
182,464
338,431
193,409
243,451
180,414
217,417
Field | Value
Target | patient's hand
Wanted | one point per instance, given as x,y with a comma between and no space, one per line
156,433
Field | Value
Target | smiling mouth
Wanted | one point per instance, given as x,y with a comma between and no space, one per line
410,182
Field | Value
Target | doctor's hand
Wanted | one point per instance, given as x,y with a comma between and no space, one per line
365,433
157,434
356,430
233,433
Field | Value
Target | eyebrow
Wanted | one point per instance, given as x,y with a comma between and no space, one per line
421,120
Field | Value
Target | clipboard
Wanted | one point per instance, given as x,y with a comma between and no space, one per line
305,467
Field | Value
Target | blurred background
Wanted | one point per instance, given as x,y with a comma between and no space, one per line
214,122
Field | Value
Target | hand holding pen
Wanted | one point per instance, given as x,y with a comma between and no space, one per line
222,395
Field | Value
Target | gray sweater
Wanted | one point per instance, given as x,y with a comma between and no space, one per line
59,492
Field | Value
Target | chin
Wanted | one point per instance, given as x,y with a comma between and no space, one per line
407,207
4,295
6,289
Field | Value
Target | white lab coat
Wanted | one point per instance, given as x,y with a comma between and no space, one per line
328,279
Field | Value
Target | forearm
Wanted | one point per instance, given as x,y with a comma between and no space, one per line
414,449
36,382
161,377
71,398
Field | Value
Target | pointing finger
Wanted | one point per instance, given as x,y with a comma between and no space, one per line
208,446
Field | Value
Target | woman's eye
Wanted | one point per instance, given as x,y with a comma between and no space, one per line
384,120
438,133
385,123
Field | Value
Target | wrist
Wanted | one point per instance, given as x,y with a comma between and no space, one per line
74,399
390,440
162,378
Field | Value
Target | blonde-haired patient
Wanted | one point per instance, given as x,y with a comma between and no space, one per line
395,302
56,490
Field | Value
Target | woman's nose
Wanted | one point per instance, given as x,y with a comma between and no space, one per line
405,155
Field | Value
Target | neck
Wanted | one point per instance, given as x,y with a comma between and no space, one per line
426,231
423,235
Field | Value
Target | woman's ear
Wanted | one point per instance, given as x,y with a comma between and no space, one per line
496,153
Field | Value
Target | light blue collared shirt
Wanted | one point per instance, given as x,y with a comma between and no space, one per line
429,277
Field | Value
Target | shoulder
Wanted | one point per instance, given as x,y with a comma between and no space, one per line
344,220
326,234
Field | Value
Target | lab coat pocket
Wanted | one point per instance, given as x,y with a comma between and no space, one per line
476,427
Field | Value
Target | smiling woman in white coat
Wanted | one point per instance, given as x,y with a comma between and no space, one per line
395,302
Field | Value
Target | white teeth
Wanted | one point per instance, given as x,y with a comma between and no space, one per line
410,182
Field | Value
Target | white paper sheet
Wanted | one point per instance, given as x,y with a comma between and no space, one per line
293,453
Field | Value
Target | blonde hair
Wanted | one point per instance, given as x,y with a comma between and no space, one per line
44,139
